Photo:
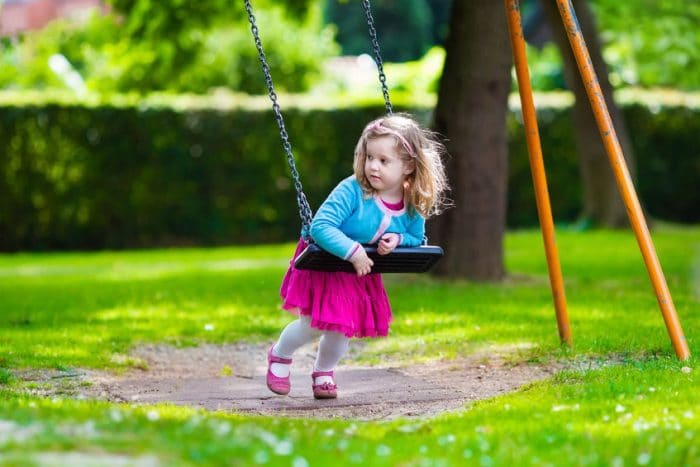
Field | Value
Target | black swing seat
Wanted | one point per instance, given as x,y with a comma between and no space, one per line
402,259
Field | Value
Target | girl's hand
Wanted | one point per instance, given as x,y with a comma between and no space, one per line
387,243
361,262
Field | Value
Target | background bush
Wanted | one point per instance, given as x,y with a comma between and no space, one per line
114,176
109,56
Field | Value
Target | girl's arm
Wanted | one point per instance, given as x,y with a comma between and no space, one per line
325,227
415,231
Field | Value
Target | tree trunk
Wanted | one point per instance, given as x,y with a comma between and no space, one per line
471,114
602,204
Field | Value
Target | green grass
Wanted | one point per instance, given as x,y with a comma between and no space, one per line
88,309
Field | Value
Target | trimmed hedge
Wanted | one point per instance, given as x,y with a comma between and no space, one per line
78,176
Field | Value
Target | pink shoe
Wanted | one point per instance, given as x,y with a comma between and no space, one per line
275,383
325,390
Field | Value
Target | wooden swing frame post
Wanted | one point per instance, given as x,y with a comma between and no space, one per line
612,148
622,177
539,178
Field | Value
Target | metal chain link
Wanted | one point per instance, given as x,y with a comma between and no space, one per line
377,55
305,212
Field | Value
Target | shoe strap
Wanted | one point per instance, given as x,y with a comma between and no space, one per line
325,386
275,359
316,374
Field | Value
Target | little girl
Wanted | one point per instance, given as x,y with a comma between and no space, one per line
398,181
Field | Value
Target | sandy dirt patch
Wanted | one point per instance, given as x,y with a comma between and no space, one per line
232,378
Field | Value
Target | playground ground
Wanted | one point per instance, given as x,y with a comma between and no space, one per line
232,378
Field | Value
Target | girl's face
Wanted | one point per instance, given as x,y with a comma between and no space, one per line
384,168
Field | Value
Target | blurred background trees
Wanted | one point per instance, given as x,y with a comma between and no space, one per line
144,46
141,49
180,47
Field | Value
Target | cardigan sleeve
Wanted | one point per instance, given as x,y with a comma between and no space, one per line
325,227
415,231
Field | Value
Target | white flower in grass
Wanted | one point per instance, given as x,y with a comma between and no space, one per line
222,429
409,428
300,462
625,418
484,445
619,408
116,416
152,415
641,425
342,445
208,327
284,448
383,450
261,457
643,458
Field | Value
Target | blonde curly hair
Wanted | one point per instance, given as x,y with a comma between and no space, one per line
425,187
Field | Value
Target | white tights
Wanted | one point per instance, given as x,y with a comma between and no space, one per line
331,347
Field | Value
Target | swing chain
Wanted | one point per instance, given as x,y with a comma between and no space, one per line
377,55
304,210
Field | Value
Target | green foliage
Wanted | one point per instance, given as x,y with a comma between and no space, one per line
651,42
623,399
404,29
546,69
88,309
5,376
420,76
667,169
77,177
114,176
295,65
177,50
561,165
582,421
157,20
668,184
646,43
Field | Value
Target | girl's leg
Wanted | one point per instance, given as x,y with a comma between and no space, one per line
331,349
296,334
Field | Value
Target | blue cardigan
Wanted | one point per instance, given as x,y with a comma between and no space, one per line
348,217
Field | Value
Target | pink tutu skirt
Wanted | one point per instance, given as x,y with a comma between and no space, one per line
337,301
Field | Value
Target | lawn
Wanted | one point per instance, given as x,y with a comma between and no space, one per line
628,400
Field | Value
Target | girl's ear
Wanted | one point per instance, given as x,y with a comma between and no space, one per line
409,167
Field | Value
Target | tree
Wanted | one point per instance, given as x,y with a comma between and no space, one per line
602,204
406,27
471,114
